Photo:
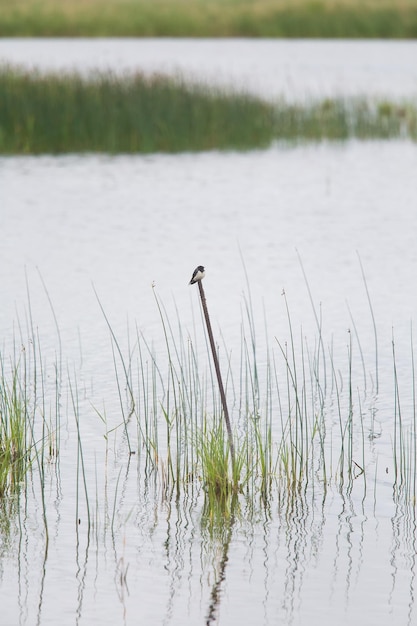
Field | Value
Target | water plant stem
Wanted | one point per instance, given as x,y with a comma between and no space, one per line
219,379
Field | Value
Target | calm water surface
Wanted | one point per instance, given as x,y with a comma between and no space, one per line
124,223
119,225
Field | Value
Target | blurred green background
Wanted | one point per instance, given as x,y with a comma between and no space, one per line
210,18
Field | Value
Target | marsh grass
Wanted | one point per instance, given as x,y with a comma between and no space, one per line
300,426
301,416
30,396
105,113
49,113
14,436
344,118
210,18
214,453
28,427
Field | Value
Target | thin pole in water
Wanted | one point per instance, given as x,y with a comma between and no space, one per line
198,275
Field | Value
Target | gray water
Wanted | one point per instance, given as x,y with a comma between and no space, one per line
123,223
130,226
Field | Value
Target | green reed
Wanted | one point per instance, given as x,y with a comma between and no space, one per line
49,113
344,118
28,426
399,437
214,453
300,413
404,443
210,18
106,113
81,476
293,429
15,442
30,405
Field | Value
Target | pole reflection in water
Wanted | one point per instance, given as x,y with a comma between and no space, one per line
217,526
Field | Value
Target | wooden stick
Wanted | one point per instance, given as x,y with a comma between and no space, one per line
219,376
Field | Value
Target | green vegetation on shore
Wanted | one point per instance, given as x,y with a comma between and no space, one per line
134,114
209,18
58,114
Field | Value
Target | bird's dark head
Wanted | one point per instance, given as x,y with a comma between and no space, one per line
200,268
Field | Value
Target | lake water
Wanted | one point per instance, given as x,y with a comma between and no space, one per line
130,226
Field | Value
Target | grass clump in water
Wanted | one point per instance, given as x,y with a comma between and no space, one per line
214,454
283,440
214,459
106,113
14,448
137,114
29,413
344,118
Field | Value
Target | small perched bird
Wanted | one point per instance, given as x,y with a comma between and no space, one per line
198,274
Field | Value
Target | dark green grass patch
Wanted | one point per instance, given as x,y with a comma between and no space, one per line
137,114
105,113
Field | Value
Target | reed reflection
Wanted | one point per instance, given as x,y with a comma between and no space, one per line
403,559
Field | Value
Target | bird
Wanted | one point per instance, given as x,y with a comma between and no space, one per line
198,274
